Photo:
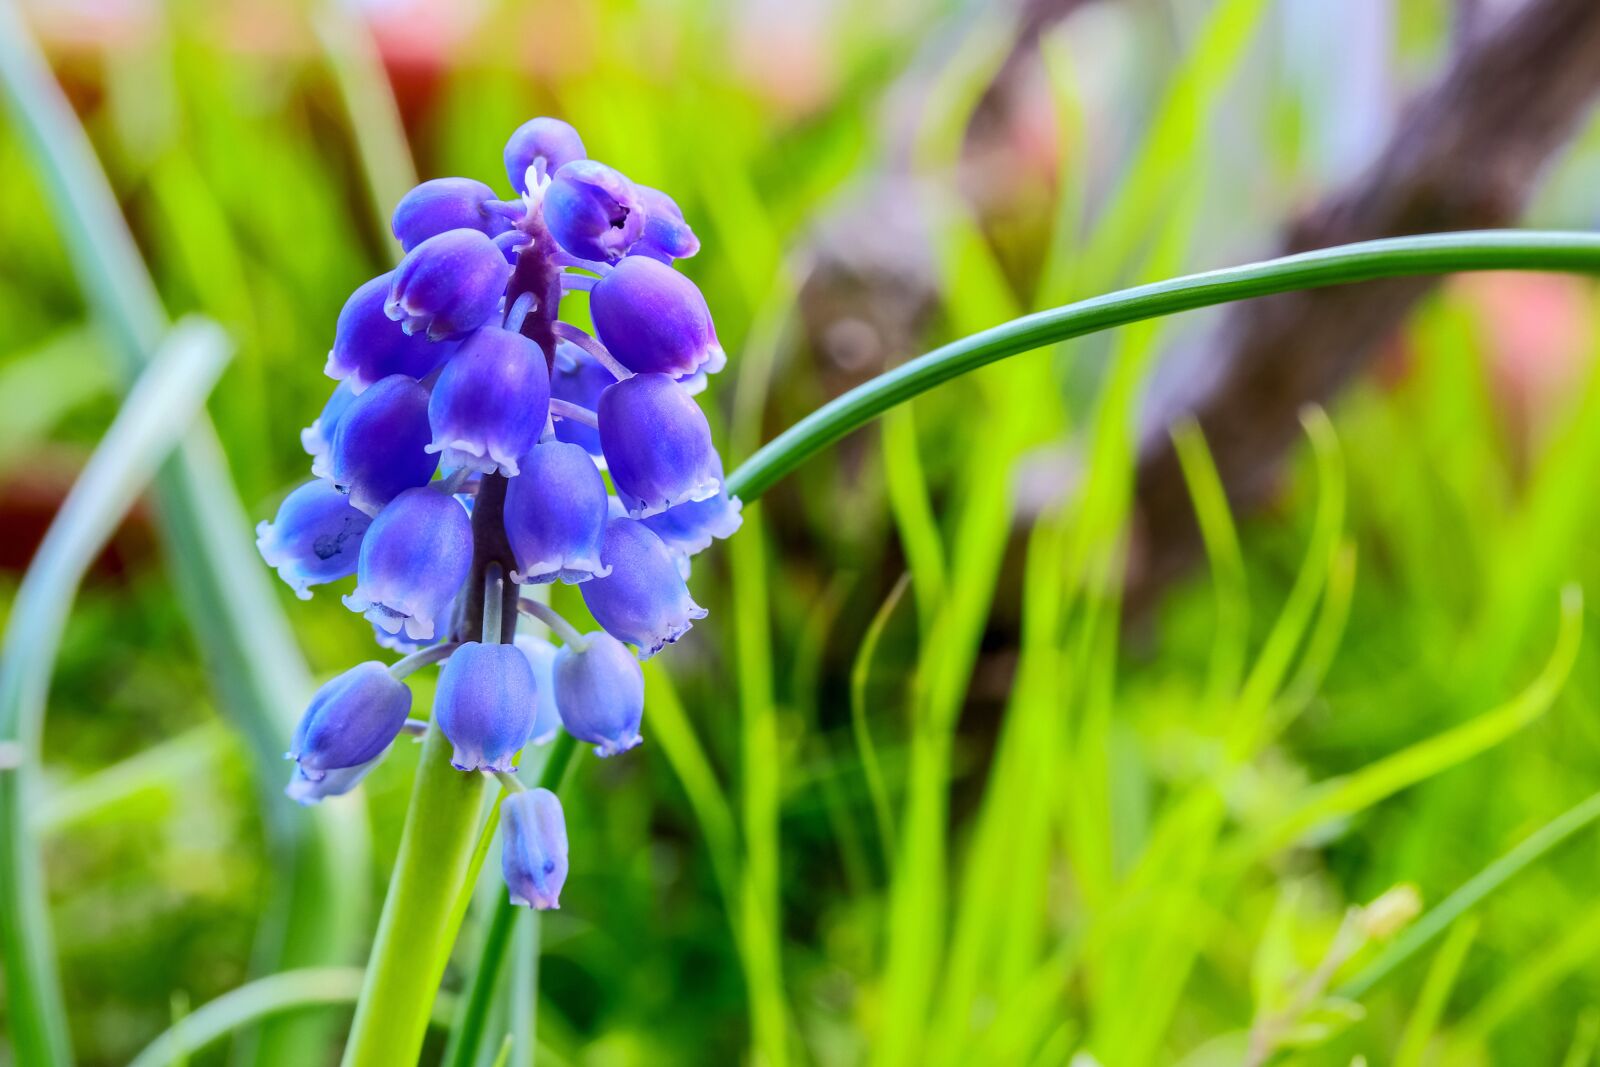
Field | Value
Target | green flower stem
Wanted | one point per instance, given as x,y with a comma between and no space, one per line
1442,253
415,934
402,668
439,849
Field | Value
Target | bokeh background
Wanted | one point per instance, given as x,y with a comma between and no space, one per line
982,756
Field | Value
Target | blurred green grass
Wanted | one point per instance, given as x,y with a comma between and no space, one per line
1096,846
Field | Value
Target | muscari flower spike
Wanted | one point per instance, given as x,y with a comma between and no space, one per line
469,423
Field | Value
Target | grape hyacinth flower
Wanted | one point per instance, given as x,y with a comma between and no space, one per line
413,561
351,720
443,204
464,454
485,705
541,657
316,537
533,850
657,445
652,318
578,380
544,144
600,682
666,236
592,211
490,403
448,285
556,517
368,346
380,447
643,601
317,439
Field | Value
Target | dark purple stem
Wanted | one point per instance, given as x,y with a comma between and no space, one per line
490,546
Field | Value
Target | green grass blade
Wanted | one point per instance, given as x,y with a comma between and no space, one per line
1221,538
370,108
866,749
308,988
158,411
1436,988
1155,178
1356,792
906,486
1538,974
1472,892
1277,655
287,991
467,1032
1341,265
762,761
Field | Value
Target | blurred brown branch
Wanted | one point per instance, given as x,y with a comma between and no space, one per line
1465,154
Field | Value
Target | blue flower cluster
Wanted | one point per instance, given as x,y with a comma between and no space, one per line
471,425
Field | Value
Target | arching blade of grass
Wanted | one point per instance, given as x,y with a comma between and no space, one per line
287,992
1226,559
1147,937
1356,792
1341,265
157,413
313,914
906,486
866,748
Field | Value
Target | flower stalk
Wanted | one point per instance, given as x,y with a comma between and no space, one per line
418,928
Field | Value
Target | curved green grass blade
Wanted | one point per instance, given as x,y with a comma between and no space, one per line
1343,797
154,418
279,994
1341,265
866,749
